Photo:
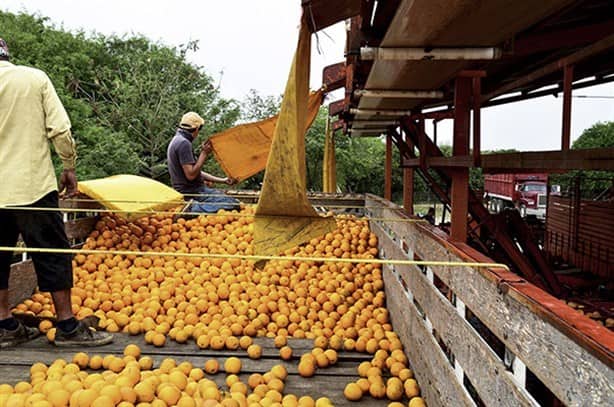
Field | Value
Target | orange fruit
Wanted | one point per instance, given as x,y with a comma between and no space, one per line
212,366
254,351
285,353
232,365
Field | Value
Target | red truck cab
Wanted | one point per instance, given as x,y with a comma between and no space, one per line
525,192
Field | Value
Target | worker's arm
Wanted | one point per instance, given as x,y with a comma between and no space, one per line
212,178
192,171
57,125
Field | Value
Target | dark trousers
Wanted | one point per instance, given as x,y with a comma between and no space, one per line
42,229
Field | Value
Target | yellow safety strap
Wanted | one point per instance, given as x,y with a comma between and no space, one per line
254,258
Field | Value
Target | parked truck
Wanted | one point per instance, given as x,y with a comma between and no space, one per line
525,192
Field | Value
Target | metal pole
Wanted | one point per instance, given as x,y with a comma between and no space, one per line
408,183
399,94
460,147
380,112
388,169
567,84
406,54
477,94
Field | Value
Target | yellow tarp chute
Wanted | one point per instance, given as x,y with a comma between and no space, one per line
242,151
284,216
131,195
329,163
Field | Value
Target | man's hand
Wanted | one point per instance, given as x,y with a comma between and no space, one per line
68,183
206,147
230,181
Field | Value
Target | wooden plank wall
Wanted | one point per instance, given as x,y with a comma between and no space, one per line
560,358
590,245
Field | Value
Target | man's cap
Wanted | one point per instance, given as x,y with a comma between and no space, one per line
191,120
4,49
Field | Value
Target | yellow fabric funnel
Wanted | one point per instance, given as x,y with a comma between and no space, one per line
284,216
242,151
329,164
131,193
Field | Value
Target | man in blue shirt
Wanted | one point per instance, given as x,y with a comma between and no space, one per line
185,169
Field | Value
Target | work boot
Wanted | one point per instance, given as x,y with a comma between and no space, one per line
82,335
15,337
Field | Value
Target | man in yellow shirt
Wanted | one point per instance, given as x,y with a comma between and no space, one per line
31,115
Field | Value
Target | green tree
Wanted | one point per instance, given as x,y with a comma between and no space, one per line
592,183
124,95
256,107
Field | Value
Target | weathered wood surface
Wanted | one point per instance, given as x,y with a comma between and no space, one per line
431,367
560,360
493,382
328,382
22,282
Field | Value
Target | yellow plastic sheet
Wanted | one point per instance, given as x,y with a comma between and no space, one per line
329,163
284,216
242,151
131,193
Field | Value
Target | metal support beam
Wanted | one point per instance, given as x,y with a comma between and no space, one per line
399,94
422,143
335,108
337,125
388,169
435,115
416,53
380,112
349,82
566,128
374,122
333,76
460,147
550,161
369,130
593,49
408,182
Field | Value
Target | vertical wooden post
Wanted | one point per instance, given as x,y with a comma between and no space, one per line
388,169
477,94
567,83
460,147
408,182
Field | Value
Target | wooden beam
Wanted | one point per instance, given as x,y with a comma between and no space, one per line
460,147
545,161
566,127
388,169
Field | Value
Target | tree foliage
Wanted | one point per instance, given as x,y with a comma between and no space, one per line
592,183
124,95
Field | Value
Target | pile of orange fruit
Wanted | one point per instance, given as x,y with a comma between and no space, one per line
221,303
130,380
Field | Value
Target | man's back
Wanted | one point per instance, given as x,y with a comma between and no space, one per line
179,153
30,114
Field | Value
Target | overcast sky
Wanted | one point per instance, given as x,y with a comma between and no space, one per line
252,43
